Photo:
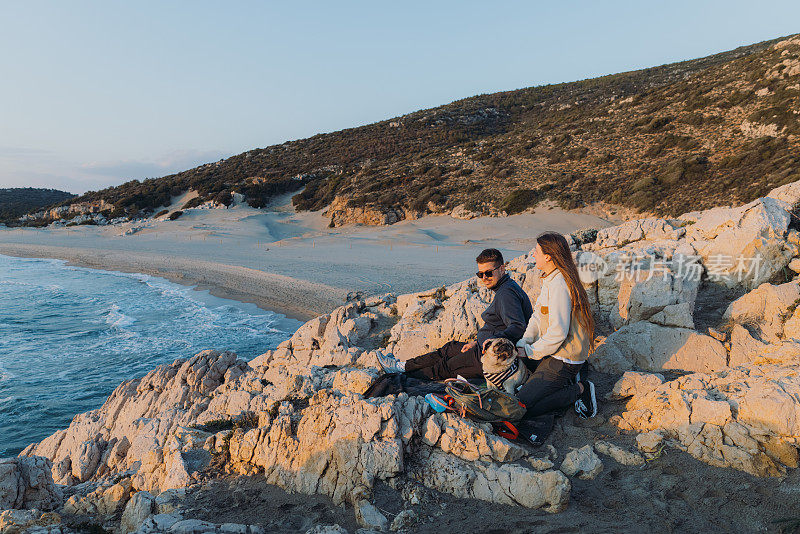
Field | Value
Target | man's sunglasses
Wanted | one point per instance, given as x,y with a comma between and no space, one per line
487,274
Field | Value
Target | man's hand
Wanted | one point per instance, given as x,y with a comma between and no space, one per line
469,346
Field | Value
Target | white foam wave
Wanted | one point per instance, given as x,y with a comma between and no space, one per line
5,374
118,319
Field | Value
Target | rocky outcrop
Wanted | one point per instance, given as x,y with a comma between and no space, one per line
747,418
27,482
504,484
31,522
769,309
306,430
650,347
341,212
133,425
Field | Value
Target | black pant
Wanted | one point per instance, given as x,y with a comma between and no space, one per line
446,362
551,387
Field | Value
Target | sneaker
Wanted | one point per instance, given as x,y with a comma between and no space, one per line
586,406
390,364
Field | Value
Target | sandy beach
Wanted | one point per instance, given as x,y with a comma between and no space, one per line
292,262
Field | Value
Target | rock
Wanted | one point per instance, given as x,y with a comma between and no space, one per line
791,327
27,482
327,529
650,442
680,315
655,292
192,526
429,321
650,347
716,334
369,516
744,348
141,506
794,265
635,383
789,193
404,520
114,498
504,484
461,212
354,380
582,463
767,307
234,528
337,445
341,214
170,501
637,230
620,455
134,423
30,521
469,440
744,245
159,523
743,417
539,464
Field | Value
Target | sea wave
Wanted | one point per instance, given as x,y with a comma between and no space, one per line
69,335
118,319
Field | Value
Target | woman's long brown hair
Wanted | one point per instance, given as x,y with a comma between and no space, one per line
555,246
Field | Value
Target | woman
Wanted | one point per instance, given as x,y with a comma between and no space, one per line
560,335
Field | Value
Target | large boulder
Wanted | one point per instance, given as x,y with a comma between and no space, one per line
469,440
505,484
659,295
744,245
429,320
336,446
131,429
650,347
766,309
649,229
747,418
27,482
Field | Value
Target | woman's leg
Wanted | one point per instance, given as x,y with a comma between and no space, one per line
551,387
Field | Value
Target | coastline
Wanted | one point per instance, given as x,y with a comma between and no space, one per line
292,297
292,263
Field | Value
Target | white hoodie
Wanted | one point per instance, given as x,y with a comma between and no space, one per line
553,309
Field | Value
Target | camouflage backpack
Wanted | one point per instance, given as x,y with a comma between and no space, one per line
483,405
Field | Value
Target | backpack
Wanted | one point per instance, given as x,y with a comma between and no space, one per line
482,405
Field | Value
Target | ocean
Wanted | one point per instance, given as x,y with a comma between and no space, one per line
70,335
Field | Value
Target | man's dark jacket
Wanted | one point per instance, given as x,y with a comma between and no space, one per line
508,314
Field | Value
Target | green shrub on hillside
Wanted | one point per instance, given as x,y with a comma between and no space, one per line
519,200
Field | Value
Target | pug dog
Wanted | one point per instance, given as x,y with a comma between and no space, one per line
502,368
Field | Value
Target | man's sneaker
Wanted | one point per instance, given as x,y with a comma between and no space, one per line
586,406
390,364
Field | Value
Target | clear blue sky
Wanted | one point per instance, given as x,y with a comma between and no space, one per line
95,93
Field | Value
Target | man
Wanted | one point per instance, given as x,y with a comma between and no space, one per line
507,316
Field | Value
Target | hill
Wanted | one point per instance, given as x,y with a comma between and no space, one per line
665,140
15,202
